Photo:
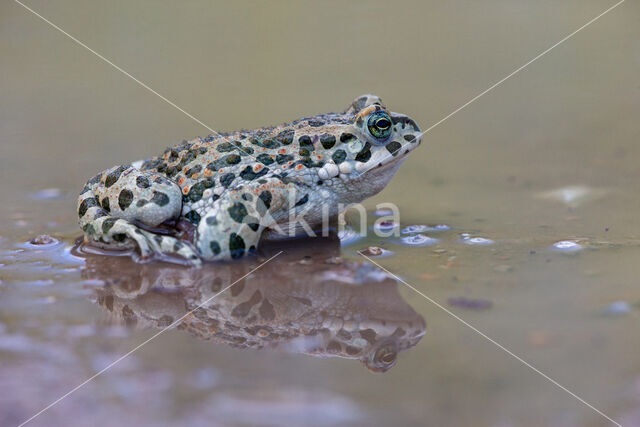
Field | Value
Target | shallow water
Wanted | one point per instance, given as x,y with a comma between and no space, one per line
548,157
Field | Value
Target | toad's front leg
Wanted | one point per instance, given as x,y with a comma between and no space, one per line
234,224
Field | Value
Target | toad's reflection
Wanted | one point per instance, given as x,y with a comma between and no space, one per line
314,305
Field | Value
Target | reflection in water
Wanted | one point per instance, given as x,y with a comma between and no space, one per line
316,304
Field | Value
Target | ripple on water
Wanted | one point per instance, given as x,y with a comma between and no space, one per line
47,194
384,226
475,241
618,308
383,212
420,228
566,246
419,240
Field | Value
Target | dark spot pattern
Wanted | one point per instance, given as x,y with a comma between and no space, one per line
242,310
236,246
266,143
305,140
347,137
96,179
339,156
365,154
266,310
142,182
352,351
409,137
249,175
369,335
225,147
327,140
193,217
108,224
237,212
266,198
195,192
334,347
160,198
404,122
105,204
215,247
393,147
124,199
303,200
227,179
85,205
283,158
232,159
265,159
285,137
114,176
120,237
195,169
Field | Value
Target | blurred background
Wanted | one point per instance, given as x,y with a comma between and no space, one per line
550,155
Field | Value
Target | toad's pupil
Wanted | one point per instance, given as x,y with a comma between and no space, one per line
383,124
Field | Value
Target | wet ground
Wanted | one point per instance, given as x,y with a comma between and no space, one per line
536,183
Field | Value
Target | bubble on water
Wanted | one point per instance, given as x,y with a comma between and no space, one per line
566,246
419,240
43,240
414,229
385,225
618,308
375,251
475,241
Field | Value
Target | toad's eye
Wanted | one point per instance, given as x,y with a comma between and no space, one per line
385,355
379,125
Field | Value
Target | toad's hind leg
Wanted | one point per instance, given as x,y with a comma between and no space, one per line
235,222
112,202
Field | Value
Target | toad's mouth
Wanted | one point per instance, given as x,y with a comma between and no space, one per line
386,162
